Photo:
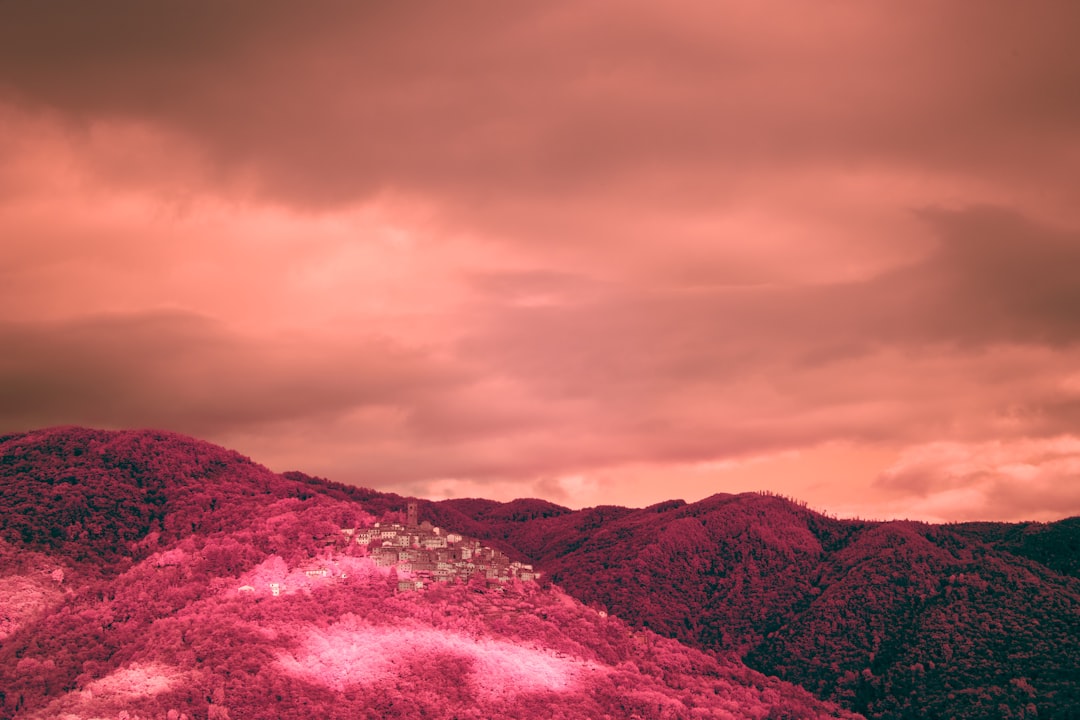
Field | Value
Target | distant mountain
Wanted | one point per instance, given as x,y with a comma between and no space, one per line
894,620
1055,545
149,575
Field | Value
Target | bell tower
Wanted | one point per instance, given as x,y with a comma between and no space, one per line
412,515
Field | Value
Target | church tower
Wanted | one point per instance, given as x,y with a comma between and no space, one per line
412,519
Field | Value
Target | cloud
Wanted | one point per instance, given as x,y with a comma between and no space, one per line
514,246
858,357
1023,479
183,371
333,102
554,374
997,276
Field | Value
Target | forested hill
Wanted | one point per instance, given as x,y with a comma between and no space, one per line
893,620
149,575
110,496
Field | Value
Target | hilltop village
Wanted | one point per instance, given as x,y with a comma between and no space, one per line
423,554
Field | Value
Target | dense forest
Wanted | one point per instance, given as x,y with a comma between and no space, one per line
121,555
893,620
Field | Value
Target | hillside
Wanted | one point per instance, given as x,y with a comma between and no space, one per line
148,575
893,620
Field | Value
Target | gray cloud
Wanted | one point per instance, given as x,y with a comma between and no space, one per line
772,355
333,101
1000,276
190,373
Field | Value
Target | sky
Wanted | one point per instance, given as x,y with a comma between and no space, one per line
594,252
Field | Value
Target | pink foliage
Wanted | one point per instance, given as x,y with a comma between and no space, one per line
22,598
135,681
275,571
352,652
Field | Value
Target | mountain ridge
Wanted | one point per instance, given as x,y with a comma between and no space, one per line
845,608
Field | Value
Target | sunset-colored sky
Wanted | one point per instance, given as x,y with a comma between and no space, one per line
595,252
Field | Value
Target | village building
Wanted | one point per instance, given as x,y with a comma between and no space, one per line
433,542
424,553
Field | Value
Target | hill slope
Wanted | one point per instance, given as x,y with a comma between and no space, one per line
159,576
891,619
